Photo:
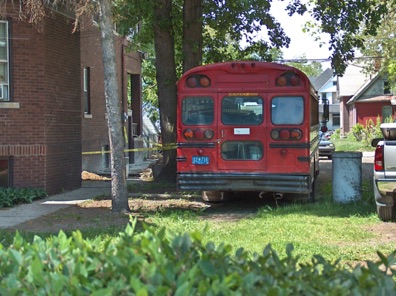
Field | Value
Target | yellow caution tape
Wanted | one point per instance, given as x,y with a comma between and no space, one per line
160,147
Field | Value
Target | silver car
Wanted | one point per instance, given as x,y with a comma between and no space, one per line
326,148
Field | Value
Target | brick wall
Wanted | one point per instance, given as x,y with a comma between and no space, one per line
43,134
63,104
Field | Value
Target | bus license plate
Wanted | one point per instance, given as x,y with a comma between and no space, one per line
201,160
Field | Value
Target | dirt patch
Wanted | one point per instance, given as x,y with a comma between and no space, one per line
98,213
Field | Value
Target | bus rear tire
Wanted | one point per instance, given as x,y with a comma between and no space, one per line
215,196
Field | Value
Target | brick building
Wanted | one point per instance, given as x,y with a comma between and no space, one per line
94,123
44,126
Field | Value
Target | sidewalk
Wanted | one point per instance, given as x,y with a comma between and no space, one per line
10,217
13,216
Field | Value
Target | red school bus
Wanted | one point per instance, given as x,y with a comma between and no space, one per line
247,126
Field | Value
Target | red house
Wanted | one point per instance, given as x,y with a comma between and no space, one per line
363,97
373,100
52,105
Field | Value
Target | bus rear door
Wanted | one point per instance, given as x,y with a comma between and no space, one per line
241,133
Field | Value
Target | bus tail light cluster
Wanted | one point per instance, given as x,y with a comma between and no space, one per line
379,158
194,81
288,79
286,134
198,134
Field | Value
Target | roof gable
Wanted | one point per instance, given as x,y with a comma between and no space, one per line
352,80
373,88
329,86
322,79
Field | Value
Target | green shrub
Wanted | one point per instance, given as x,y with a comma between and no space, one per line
358,131
155,262
13,196
336,134
368,132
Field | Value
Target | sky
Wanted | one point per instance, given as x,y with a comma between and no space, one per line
301,43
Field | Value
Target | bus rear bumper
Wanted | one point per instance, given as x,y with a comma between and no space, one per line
284,183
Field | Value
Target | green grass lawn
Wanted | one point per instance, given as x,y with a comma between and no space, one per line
335,231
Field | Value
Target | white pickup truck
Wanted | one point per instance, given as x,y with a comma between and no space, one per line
385,172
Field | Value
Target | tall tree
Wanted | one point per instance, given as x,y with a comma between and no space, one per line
348,24
380,50
166,79
35,11
119,194
192,34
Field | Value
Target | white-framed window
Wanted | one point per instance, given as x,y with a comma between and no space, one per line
4,62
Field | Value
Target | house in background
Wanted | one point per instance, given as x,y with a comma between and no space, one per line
352,80
52,101
356,97
326,86
373,100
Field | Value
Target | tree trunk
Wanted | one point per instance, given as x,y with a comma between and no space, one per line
166,80
192,34
119,194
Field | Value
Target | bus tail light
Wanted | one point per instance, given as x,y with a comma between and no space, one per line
194,81
198,134
204,81
209,134
286,134
288,79
188,134
379,158
296,134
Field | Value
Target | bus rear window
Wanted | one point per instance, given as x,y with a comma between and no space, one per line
197,111
242,110
242,150
287,110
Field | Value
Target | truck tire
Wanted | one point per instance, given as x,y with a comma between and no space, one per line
385,213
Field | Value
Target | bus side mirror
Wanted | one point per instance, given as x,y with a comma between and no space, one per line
326,110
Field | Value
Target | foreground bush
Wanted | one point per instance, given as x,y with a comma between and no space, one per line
156,263
13,196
